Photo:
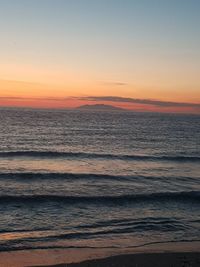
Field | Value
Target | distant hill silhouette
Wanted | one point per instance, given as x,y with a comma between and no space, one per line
100,107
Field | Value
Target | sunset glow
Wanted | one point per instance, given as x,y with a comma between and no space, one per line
99,140
47,58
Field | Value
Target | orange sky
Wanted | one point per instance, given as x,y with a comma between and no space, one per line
41,95
66,94
112,49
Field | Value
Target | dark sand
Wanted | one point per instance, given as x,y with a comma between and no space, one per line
143,260
180,254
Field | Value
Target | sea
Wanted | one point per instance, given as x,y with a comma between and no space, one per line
91,179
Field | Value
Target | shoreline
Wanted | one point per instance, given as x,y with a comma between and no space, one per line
176,259
168,253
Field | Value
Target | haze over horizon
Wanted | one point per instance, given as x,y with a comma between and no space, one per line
139,55
100,133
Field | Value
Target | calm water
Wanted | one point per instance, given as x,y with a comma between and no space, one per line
86,179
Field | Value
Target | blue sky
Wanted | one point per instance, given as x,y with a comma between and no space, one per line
145,43
156,25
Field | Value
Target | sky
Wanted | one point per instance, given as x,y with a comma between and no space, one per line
142,55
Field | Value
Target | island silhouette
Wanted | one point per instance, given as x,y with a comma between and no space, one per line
100,107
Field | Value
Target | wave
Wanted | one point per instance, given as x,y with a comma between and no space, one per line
19,247
131,222
38,176
56,154
50,236
102,200
65,176
115,223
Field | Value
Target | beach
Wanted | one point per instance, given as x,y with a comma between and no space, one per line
144,260
177,254
100,133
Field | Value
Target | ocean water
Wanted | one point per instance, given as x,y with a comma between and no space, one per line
97,179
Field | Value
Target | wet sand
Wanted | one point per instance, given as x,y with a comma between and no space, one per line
143,260
183,254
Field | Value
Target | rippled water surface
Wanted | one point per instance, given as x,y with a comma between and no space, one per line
87,179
